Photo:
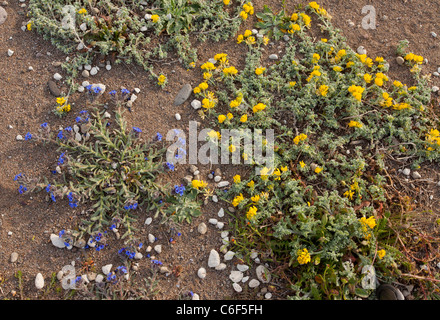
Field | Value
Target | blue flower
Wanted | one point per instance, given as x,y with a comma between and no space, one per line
52,196
61,233
89,87
17,176
136,129
158,136
179,189
113,226
97,90
61,159
68,129
156,262
78,119
22,189
48,188
125,91
44,125
60,135
179,234
170,166
28,136
112,93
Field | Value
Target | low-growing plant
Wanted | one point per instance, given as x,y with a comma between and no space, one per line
337,116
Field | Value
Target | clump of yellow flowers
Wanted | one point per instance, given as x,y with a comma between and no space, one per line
62,107
303,256
162,80
248,9
367,224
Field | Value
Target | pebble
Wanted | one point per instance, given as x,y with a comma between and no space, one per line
221,213
39,281
222,184
263,274
19,137
148,221
221,266
217,178
14,257
254,283
242,267
361,50
99,278
237,287
85,74
213,259
273,56
229,255
416,175
93,71
435,73
53,88
151,238
406,171
108,67
10,52
202,228
3,15
158,248
400,60
433,34
195,296
268,295
88,67
178,117
214,198
435,89
107,268
236,276
224,234
57,241
213,221
201,273
196,104
57,76
183,94
220,225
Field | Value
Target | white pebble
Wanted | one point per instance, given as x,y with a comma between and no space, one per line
220,225
107,268
229,255
254,283
177,116
39,281
221,213
158,248
213,259
148,221
93,71
213,221
10,52
151,238
201,273
220,267
242,267
196,104
236,276
237,287
57,76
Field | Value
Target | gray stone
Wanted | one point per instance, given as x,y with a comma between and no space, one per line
406,171
57,241
57,76
229,255
10,52
254,283
202,228
14,257
85,73
237,287
222,184
183,94
263,274
39,281
221,266
53,88
213,259
3,15
416,175
400,60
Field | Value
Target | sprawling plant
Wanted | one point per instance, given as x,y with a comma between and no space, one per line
322,207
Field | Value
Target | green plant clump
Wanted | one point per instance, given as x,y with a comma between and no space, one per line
321,209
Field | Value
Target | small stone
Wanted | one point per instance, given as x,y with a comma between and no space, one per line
213,259
213,221
88,67
107,268
217,178
10,52
85,74
151,238
273,56
237,287
187,180
286,38
361,50
433,34
57,241
60,275
400,61
224,234
435,73
30,68
14,257
39,281
178,117
164,269
83,26
221,213
57,76
138,256
202,228
214,198
222,184
229,255
242,267
183,94
435,89
196,104
93,71
195,296
108,67
201,273
268,295
236,276
3,15
78,136
99,278
158,248
148,221
263,274
254,283
53,88
416,175
19,137
406,171
220,225
221,266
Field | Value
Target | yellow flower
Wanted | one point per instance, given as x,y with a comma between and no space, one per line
337,68
314,5
237,178
207,66
234,103
302,164
208,104
196,90
277,173
349,194
229,116
306,19
214,134
251,212
226,2
303,256
240,38
294,27
294,17
247,33
315,58
243,118
29,26
66,108
203,86
82,11
356,124
258,107
324,40
381,254
356,91
284,169
237,200
265,40
248,8
161,79
232,148
318,170
259,71
250,40
221,57
61,100
221,118
300,138
368,78
292,84
370,222
323,90
207,75
230,71
397,84
243,15
155,18
198,184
